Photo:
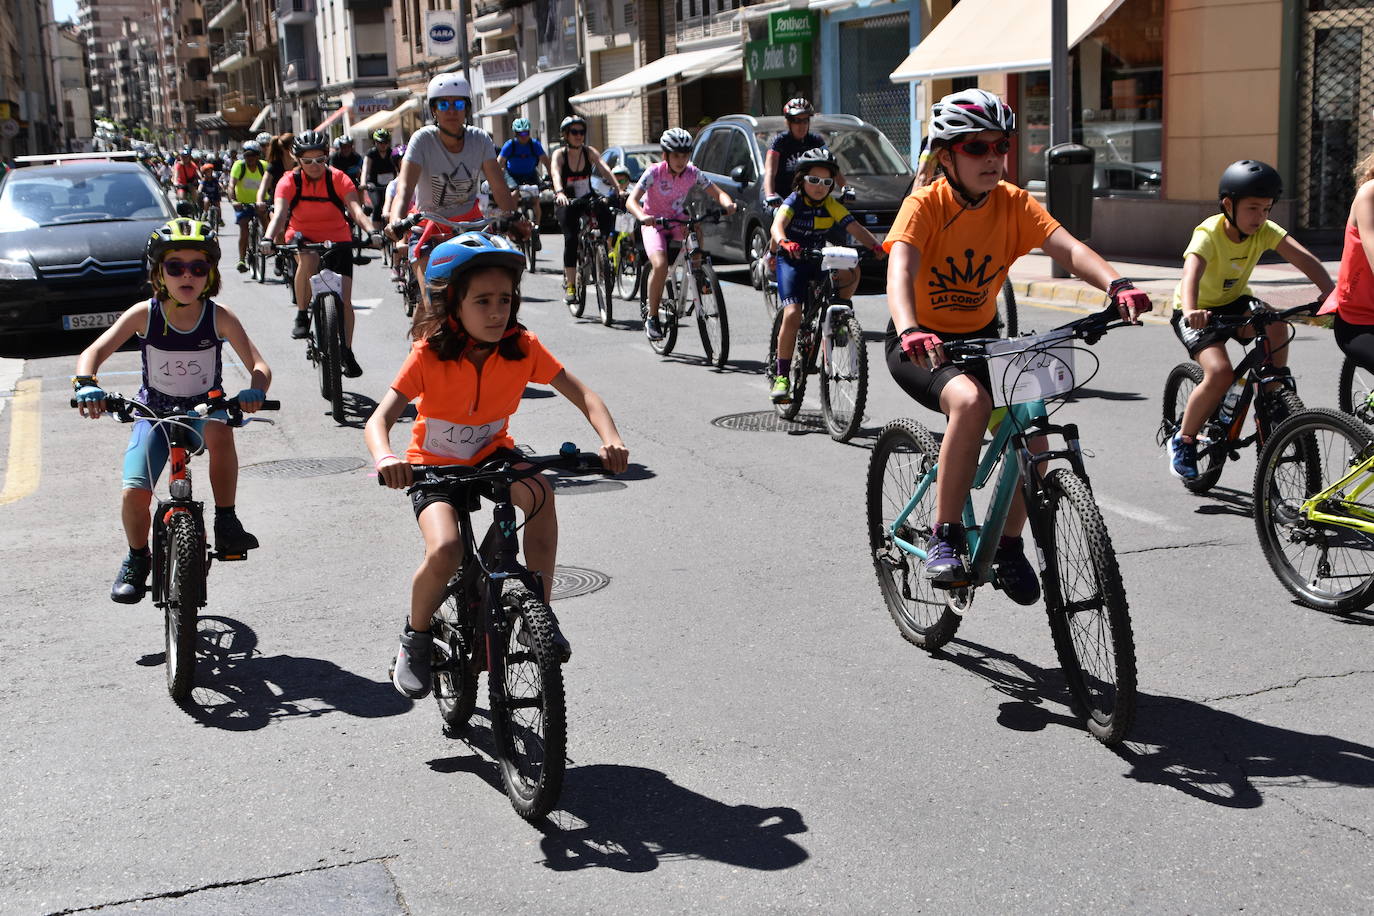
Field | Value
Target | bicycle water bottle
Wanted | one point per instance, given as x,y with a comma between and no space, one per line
1228,403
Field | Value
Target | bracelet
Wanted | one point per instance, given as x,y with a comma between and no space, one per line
81,381
911,330
378,463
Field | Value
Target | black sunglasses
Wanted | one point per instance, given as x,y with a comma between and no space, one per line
175,268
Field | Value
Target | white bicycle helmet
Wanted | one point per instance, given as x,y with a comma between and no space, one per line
264,138
969,112
675,140
447,86
252,146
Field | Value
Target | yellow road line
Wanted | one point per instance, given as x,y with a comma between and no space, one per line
21,476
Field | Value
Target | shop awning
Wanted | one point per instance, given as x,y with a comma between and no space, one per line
337,113
689,63
388,119
997,36
261,119
530,87
213,121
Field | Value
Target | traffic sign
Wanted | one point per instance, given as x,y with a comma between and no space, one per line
9,128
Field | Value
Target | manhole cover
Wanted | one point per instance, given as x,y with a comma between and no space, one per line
768,421
570,582
301,467
572,485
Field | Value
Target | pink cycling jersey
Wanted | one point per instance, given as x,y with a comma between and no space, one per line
666,194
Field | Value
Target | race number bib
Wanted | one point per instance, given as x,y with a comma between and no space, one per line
180,373
580,187
454,440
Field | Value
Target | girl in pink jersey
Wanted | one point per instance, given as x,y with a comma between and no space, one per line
662,191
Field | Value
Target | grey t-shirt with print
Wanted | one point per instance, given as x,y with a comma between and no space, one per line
449,181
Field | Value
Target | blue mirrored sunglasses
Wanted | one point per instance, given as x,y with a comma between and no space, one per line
455,104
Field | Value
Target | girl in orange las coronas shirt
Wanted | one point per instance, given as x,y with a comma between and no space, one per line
949,251
467,369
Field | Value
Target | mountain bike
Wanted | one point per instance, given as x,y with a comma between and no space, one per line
1222,436
257,261
628,260
181,554
829,340
325,342
527,199
494,619
1314,509
1355,394
1084,595
593,264
682,299
435,226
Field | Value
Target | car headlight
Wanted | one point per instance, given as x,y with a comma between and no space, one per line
17,270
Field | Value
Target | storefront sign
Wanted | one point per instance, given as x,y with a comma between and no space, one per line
369,105
501,71
767,61
441,33
793,25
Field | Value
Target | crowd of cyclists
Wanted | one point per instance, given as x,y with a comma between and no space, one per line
471,356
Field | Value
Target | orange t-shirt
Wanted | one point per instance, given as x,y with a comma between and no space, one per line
965,253
315,215
462,413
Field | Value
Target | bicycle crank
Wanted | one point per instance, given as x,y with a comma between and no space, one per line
959,600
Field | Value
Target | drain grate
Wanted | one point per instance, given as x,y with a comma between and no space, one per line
570,582
768,421
569,486
301,467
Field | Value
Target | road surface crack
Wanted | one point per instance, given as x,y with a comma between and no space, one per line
1276,687
1211,542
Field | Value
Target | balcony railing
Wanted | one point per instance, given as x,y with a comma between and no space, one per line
221,52
299,72
713,26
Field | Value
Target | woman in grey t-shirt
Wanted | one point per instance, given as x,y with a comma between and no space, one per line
445,163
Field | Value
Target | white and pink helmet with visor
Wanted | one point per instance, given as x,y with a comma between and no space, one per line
970,111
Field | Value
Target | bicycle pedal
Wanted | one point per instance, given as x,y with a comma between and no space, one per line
230,557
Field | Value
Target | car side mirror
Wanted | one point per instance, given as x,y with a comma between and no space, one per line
740,175
184,208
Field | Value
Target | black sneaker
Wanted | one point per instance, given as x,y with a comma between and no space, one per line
410,673
132,582
1015,575
301,329
230,536
351,369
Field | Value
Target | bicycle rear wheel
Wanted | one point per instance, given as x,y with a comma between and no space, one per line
329,338
627,268
455,678
904,455
667,316
1326,566
712,321
581,276
529,723
185,559
801,358
844,380
1086,602
1183,378
1355,392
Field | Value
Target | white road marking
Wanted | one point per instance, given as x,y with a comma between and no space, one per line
1137,514
366,304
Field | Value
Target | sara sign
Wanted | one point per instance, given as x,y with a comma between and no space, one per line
792,25
764,60
441,33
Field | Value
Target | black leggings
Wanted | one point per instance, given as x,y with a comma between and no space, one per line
570,220
1357,342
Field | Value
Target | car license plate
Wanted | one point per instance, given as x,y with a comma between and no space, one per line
89,320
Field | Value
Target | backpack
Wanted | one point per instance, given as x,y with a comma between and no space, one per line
333,197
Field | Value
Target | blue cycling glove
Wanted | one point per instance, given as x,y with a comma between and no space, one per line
89,393
251,396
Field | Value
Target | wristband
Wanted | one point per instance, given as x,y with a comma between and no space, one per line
1118,285
911,330
377,464
81,381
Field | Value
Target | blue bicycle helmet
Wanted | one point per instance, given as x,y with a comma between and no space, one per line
469,250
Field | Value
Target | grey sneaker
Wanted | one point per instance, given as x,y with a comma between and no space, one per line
410,671
132,582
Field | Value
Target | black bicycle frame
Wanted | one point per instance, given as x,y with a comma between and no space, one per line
1259,371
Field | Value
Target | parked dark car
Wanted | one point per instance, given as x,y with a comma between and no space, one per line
730,150
72,237
636,157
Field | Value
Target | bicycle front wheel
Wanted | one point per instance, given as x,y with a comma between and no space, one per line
330,336
603,278
712,321
844,380
185,559
1324,564
905,454
455,678
1183,379
801,357
626,269
581,274
667,316
1086,601
1356,391
1006,309
528,716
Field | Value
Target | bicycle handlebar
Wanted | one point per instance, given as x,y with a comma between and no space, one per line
127,410
568,459
1089,329
1262,316
710,216
414,219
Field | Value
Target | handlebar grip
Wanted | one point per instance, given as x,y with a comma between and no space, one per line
270,405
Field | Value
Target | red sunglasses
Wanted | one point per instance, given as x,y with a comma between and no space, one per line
980,148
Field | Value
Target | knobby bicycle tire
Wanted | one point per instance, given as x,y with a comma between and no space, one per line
578,303
331,343
1183,379
601,277
185,559
1324,566
1354,391
1086,602
844,381
904,454
529,726
455,677
802,356
1006,310
713,323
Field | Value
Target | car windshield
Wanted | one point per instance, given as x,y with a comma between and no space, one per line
637,162
858,151
50,198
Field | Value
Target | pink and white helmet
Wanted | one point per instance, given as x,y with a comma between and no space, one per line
970,111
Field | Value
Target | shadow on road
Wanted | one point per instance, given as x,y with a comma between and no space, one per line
1206,753
237,689
631,819
1227,501
357,408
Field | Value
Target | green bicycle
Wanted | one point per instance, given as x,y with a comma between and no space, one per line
1086,601
1314,509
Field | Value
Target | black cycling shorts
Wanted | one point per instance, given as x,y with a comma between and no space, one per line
1356,341
338,259
1195,340
924,385
460,496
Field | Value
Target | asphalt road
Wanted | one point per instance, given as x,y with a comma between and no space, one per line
748,730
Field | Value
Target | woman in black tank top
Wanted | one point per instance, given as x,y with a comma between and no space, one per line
573,164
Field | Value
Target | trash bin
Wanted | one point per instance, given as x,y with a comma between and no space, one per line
1069,187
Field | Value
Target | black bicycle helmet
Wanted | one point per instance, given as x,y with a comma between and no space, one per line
569,121
808,160
1249,178
308,140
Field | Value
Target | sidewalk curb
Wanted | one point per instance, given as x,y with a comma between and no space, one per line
1078,293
